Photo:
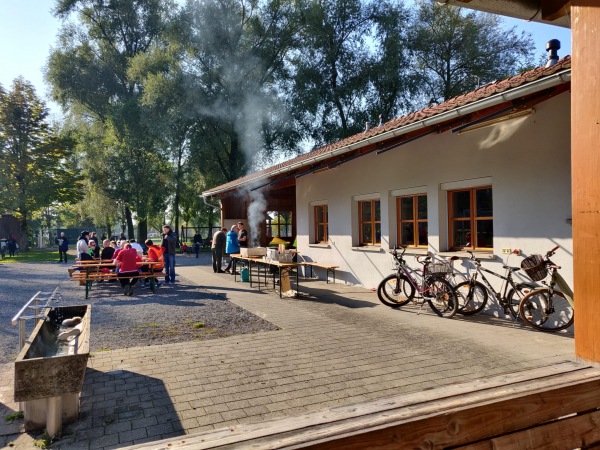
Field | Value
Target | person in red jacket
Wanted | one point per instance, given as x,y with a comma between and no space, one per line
127,260
155,255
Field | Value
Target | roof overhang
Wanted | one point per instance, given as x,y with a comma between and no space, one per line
304,165
552,12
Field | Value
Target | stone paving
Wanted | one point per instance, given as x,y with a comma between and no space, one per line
338,347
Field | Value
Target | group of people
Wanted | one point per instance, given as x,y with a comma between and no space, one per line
126,254
227,243
11,246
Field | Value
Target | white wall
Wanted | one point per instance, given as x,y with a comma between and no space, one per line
527,159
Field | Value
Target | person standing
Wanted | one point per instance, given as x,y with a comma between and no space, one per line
231,246
242,235
197,242
82,246
11,244
169,242
63,246
218,250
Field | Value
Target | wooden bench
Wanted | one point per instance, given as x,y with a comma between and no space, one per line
86,278
328,267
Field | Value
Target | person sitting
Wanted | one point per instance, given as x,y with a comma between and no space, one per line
138,247
93,249
128,268
154,255
184,248
107,251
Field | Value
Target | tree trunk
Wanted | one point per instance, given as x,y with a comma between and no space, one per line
129,218
142,229
108,228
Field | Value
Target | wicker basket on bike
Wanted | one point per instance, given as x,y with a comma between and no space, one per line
439,268
534,267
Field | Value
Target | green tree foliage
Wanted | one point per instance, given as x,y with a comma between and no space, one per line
36,169
89,70
455,52
225,83
332,67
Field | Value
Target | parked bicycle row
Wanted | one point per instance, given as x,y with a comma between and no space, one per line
545,302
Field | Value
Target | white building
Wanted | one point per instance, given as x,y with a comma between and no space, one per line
487,171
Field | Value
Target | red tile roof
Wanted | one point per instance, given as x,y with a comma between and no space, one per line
394,124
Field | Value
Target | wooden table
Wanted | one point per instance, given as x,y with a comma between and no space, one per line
281,268
92,267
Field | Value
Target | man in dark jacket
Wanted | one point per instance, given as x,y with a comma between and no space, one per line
63,246
218,249
169,243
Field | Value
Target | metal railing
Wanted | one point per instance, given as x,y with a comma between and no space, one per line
34,304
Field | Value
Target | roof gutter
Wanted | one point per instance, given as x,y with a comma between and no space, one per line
555,79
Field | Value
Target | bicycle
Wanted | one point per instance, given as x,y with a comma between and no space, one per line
475,293
400,288
547,309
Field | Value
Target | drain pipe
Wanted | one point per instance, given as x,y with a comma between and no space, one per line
214,207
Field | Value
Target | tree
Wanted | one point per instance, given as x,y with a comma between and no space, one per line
36,170
456,52
331,68
88,74
236,57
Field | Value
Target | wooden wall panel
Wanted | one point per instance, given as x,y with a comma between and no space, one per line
585,143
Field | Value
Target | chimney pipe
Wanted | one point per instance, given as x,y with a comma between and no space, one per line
380,120
367,126
552,48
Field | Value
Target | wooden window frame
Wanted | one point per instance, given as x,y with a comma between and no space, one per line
415,220
473,219
325,224
269,224
373,223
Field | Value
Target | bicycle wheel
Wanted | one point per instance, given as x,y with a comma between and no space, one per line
515,296
546,312
395,291
472,297
441,297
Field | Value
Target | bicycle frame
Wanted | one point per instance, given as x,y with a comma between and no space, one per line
508,282
556,279
421,289
411,274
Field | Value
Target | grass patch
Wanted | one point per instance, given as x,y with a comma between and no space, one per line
14,416
34,255
199,325
44,441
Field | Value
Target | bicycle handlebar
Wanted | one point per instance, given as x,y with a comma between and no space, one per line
551,252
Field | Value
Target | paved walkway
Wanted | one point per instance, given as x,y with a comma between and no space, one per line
337,347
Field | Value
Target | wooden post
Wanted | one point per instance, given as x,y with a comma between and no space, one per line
585,159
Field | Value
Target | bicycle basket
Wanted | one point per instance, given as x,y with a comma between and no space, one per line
439,268
534,267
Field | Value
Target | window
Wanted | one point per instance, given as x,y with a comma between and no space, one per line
279,224
321,224
412,220
471,218
369,222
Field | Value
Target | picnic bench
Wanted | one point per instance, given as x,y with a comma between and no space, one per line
88,271
328,267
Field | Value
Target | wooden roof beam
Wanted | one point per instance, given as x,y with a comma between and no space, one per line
555,9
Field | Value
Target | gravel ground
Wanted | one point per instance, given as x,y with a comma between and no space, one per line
177,313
